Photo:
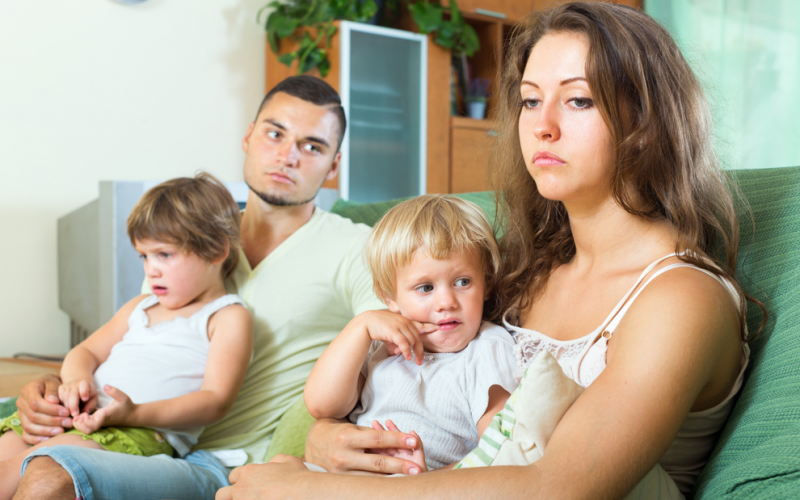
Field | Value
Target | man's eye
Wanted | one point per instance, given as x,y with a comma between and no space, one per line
427,288
273,134
462,282
311,148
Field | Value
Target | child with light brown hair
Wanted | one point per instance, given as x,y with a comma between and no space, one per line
430,365
168,363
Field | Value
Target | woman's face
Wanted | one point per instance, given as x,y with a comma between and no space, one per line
565,142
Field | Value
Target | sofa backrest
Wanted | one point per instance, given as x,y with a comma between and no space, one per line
760,445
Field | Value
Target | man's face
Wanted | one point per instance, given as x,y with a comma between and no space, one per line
291,150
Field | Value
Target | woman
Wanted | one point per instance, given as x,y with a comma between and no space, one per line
613,207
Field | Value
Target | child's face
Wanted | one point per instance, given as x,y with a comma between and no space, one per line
449,293
177,278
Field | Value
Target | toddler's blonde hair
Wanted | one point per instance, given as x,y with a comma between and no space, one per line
443,225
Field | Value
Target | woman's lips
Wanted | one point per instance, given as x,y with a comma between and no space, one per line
547,159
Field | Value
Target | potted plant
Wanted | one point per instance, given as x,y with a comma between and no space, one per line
476,97
309,23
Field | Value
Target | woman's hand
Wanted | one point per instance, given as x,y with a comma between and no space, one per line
78,395
40,413
272,480
417,455
341,447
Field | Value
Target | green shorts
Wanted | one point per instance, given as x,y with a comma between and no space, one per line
131,440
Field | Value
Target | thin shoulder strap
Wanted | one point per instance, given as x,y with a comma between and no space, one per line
138,317
612,325
200,318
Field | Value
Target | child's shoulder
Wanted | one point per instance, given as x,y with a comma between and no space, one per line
232,312
492,333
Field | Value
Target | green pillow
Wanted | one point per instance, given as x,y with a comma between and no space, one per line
758,454
289,437
8,407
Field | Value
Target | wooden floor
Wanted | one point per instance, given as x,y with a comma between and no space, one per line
15,373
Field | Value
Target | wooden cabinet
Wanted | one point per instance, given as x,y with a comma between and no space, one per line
471,141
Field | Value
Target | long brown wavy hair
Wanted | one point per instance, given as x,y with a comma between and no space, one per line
666,167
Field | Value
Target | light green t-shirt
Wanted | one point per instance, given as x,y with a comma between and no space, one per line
301,296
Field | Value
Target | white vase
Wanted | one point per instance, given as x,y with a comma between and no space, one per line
476,109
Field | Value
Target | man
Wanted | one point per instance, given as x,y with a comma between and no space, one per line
302,277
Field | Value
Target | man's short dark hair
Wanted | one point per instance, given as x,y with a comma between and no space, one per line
313,90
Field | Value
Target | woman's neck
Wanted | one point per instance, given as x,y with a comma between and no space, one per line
606,234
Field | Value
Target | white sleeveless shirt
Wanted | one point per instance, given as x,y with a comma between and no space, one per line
161,362
583,360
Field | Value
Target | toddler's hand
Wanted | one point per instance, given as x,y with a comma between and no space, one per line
116,413
77,393
417,455
400,334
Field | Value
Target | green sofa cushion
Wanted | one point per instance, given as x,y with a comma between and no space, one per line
758,454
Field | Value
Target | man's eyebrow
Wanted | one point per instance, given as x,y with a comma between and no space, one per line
309,139
562,82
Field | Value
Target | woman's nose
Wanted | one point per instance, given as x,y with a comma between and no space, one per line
546,127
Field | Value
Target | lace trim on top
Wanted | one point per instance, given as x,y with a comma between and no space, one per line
530,343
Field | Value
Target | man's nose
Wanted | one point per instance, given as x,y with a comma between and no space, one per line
288,154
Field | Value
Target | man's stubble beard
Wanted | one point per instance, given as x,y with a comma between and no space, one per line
278,201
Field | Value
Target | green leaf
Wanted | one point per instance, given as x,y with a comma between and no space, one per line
470,40
324,67
428,17
284,26
287,59
455,14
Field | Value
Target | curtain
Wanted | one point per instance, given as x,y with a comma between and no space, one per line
747,55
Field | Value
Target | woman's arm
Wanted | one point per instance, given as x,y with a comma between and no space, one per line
673,347
231,332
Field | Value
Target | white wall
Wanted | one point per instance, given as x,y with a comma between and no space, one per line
95,90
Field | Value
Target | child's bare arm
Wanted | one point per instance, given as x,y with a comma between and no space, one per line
497,399
82,360
231,332
333,388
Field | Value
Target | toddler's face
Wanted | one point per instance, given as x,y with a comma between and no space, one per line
449,293
178,278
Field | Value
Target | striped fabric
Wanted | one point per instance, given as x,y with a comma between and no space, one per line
499,431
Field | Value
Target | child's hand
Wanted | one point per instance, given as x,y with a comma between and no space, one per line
75,393
116,413
416,455
400,334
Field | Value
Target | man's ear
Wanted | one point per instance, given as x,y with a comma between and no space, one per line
334,167
246,140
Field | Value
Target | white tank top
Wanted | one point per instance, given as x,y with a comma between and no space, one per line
161,362
583,360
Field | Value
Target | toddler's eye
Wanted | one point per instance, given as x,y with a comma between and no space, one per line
163,255
426,288
462,282
143,256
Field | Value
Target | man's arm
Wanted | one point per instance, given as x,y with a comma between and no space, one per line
40,413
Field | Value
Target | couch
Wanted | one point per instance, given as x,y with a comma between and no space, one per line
758,453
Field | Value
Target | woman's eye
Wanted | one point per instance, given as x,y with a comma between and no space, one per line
427,288
581,103
530,103
462,282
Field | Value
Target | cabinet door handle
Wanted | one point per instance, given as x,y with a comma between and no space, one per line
490,13
491,133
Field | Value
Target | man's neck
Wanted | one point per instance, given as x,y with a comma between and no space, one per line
265,226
